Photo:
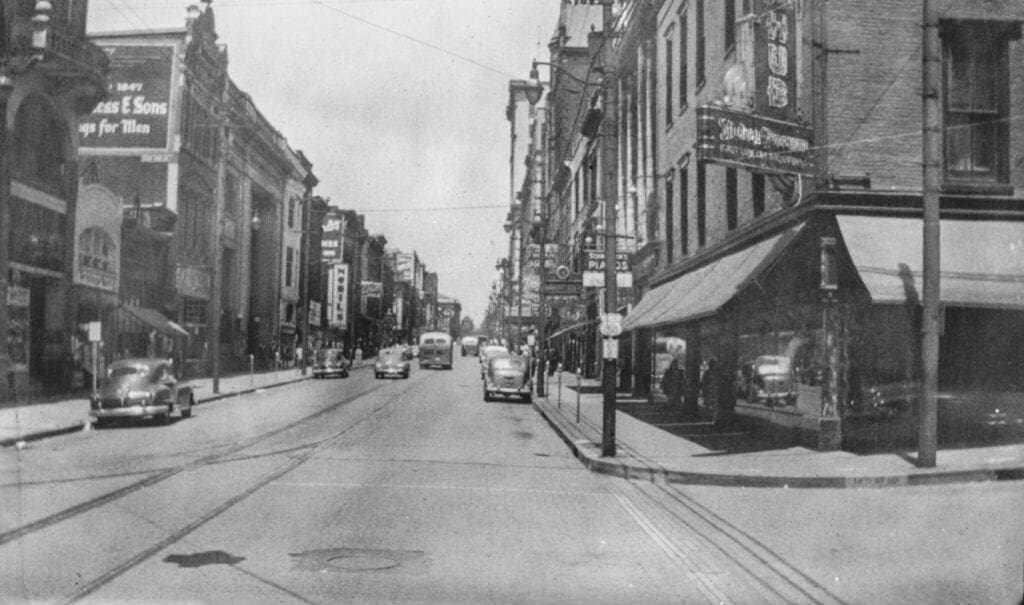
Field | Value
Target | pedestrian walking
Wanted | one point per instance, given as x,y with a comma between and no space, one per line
672,383
709,388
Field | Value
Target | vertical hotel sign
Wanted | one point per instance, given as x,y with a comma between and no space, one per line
337,296
775,60
136,110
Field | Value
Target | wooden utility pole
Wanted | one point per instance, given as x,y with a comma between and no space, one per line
609,189
931,154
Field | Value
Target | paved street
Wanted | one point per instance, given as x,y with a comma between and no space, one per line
363,490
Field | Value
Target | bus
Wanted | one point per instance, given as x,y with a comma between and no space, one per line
436,350
471,345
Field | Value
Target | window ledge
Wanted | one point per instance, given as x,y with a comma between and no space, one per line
977,187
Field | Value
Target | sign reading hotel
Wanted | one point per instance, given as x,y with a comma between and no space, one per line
736,138
136,110
332,246
775,60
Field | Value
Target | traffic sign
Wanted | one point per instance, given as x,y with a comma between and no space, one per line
611,324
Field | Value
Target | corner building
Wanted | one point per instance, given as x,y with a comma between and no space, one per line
788,202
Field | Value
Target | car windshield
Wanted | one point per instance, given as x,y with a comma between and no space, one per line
389,355
509,363
772,364
122,371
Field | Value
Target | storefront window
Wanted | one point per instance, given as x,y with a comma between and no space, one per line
36,235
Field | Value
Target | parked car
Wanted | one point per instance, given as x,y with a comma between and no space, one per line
489,352
958,412
391,363
141,388
769,380
330,362
508,376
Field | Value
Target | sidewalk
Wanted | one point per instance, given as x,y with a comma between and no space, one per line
647,452
23,423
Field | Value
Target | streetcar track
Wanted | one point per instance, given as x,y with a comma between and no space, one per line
749,546
159,476
309,451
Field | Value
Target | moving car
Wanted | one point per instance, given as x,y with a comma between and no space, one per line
391,363
330,362
769,380
508,376
141,388
490,352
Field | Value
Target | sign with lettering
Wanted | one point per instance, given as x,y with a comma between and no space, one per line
136,111
736,138
337,296
775,59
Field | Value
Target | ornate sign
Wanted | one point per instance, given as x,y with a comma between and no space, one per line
735,138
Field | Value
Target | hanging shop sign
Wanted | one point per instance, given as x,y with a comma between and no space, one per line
136,111
736,138
775,59
337,295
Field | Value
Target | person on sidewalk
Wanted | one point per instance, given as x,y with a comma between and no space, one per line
673,382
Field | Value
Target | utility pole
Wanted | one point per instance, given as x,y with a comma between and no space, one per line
6,88
304,285
216,275
609,166
931,150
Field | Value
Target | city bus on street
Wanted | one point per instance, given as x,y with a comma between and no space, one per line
471,346
436,350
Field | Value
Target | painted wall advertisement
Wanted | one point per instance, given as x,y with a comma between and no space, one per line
136,110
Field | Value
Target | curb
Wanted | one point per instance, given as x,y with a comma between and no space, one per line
589,454
83,424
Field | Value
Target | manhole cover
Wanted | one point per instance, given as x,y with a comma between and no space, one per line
363,562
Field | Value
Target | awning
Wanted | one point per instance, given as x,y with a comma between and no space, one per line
703,291
981,262
155,320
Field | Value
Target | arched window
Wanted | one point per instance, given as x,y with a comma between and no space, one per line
39,146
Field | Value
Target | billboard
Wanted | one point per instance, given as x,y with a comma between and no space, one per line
136,111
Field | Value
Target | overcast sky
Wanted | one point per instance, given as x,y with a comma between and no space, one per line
399,104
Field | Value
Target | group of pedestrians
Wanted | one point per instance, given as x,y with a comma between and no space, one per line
674,385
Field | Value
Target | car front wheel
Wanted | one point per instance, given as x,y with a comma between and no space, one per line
187,411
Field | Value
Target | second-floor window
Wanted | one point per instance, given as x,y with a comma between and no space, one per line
731,199
684,40
291,213
668,75
730,25
701,43
757,193
684,212
702,205
289,265
669,198
977,101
